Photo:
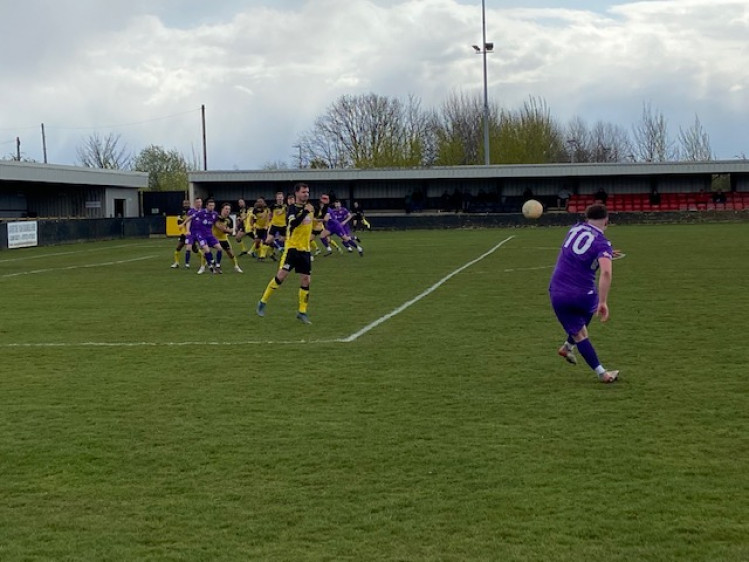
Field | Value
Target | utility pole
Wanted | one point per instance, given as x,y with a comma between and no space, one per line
205,150
44,144
18,149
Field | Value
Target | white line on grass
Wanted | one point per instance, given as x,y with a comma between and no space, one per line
162,344
87,251
101,264
404,306
349,339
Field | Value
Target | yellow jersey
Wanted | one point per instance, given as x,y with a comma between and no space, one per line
260,218
219,234
299,229
181,218
321,210
278,215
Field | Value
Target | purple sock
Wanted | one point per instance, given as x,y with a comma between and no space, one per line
187,257
589,353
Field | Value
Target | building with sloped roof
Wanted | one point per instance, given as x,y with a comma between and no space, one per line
29,190
500,188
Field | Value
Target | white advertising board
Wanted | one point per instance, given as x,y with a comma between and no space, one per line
22,234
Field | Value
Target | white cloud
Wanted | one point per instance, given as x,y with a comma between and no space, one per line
267,69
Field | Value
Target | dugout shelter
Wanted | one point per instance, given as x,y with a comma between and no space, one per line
487,189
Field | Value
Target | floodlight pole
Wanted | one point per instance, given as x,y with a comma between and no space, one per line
486,89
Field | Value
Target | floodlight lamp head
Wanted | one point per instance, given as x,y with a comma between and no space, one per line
489,46
476,48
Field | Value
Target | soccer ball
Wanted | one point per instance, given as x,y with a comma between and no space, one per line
532,209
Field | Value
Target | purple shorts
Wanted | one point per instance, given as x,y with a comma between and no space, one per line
336,228
209,240
574,311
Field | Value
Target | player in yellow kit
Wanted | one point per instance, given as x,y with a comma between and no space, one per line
258,225
277,230
296,255
222,228
182,242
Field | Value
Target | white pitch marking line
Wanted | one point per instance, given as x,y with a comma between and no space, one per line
103,249
417,298
162,344
36,271
348,339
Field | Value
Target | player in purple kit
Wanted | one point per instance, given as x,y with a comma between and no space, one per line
574,295
201,229
337,223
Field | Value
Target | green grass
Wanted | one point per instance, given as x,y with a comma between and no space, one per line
450,431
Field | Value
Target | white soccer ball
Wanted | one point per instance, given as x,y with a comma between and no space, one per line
532,209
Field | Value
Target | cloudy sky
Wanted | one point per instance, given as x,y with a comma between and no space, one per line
265,69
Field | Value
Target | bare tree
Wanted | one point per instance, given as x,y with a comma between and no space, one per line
458,130
367,131
610,143
695,143
275,165
651,140
104,152
577,140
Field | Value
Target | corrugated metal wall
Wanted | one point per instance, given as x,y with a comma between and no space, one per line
13,204
390,194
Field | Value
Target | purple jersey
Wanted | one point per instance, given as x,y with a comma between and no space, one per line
575,271
340,213
202,223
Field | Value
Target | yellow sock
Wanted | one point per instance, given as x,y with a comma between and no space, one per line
272,286
303,299
176,256
262,251
313,245
365,222
242,245
203,261
333,243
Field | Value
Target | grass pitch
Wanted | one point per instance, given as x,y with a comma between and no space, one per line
148,414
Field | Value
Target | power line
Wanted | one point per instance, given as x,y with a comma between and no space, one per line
119,126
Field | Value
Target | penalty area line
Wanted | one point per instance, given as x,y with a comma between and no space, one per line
417,298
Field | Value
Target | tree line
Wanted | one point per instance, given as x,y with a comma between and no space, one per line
374,131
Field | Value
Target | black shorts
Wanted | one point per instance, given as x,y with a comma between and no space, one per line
225,245
277,230
261,233
299,261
